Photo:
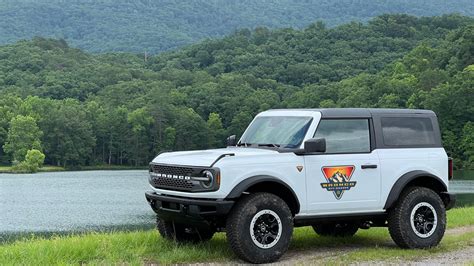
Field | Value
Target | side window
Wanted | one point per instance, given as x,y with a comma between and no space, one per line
344,135
407,131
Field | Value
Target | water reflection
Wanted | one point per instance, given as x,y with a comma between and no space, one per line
463,186
73,201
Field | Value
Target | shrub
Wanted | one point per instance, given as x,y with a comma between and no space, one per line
34,159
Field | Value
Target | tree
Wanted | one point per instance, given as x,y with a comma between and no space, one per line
23,135
69,140
8,107
240,123
117,130
169,138
140,121
116,108
467,144
216,132
191,133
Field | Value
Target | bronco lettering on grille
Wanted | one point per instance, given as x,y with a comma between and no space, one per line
182,177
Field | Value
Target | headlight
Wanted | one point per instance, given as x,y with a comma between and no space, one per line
208,179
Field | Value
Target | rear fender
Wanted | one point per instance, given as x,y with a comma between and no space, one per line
419,178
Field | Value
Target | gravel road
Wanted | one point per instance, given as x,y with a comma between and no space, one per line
457,257
329,255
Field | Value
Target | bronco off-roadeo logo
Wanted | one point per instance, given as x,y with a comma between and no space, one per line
338,179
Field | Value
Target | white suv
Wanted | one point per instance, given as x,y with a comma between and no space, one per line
337,170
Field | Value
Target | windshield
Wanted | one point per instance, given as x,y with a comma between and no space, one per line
276,131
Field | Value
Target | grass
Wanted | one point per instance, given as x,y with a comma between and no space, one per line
46,168
51,168
139,247
112,248
5,169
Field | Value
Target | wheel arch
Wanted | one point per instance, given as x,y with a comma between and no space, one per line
270,184
414,178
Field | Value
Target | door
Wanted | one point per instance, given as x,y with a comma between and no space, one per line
346,178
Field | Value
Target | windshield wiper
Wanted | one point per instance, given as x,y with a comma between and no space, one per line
245,144
269,145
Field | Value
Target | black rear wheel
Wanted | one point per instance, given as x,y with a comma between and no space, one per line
182,233
418,220
336,229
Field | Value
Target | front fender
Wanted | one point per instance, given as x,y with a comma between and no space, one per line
244,185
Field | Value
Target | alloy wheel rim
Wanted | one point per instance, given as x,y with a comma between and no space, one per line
265,229
423,219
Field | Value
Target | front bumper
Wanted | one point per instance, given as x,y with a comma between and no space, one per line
449,200
189,210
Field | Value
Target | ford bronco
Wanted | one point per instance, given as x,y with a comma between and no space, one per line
337,170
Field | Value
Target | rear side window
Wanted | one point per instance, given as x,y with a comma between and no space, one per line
408,131
345,135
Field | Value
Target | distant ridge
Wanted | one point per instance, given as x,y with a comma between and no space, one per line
159,25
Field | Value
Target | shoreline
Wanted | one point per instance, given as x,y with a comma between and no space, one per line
50,168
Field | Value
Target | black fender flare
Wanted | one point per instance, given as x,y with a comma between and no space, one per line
237,191
402,182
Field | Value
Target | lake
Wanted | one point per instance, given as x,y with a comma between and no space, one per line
63,202
74,201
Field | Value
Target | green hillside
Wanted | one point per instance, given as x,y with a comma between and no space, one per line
86,109
154,26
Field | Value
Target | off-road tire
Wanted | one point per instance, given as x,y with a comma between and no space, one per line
400,223
336,229
182,233
238,227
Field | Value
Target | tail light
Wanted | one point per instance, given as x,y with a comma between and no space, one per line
450,168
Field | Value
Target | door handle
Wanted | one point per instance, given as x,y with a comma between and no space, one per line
368,166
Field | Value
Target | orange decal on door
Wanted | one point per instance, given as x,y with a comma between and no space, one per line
338,179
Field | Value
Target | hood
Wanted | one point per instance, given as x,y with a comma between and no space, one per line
206,157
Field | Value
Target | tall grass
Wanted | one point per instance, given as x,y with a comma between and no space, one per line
139,247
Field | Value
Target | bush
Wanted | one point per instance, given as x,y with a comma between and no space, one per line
34,159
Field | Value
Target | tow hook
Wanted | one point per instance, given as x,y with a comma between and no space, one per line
365,225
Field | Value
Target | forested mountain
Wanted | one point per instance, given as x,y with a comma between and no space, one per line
158,25
86,109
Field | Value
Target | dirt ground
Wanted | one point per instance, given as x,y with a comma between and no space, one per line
457,257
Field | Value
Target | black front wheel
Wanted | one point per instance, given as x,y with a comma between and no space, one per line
182,233
259,228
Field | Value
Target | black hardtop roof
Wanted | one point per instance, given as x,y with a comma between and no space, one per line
361,112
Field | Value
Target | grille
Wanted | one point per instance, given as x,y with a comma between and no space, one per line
164,182
172,183
172,170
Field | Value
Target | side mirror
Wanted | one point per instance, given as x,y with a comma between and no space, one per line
315,145
231,141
